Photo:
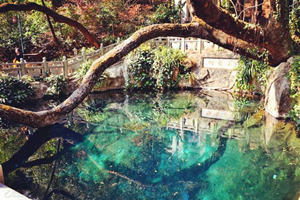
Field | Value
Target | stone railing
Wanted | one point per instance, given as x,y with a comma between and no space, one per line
67,66
189,45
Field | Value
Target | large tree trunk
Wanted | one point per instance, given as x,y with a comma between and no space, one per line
55,16
275,37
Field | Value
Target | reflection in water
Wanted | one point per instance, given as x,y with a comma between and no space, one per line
173,146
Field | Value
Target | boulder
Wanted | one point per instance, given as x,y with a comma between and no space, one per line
40,89
277,95
215,79
114,78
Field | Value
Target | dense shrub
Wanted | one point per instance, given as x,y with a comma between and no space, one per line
57,86
295,27
250,71
168,67
15,91
140,71
294,76
167,13
83,69
157,69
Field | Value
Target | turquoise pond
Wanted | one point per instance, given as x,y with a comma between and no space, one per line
180,145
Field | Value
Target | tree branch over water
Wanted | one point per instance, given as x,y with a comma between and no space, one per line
220,28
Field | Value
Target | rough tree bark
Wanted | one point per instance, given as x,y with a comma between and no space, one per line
209,22
55,16
274,37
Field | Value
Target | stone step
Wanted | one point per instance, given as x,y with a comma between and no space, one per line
10,194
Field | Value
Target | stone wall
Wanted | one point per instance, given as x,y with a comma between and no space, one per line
115,77
214,70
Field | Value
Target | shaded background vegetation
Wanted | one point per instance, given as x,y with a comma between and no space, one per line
107,20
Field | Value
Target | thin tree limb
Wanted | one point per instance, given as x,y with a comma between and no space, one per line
55,16
56,40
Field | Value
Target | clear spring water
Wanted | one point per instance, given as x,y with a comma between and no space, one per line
185,146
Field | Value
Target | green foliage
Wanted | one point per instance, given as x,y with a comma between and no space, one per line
294,76
240,103
157,69
83,69
229,6
167,13
15,91
10,142
168,67
295,115
226,4
90,49
108,15
57,86
140,70
295,27
33,26
250,70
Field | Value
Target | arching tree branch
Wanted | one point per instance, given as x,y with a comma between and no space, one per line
47,117
56,17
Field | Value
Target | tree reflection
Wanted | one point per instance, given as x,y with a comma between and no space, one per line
135,154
